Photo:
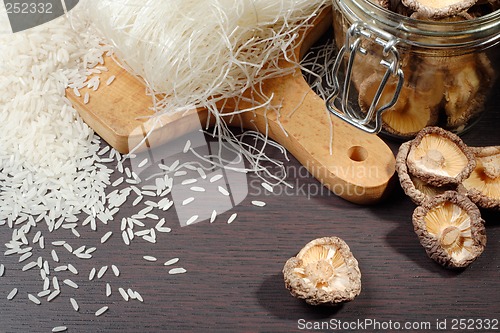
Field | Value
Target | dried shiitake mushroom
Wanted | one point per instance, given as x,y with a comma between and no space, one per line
439,8
439,157
450,229
414,109
468,79
418,191
323,272
483,185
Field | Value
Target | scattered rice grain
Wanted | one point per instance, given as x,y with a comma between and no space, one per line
70,283
215,178
106,236
124,294
232,218
102,271
223,191
101,311
171,262
74,304
267,187
110,80
116,271
12,294
108,290
258,203
187,201
34,299
174,271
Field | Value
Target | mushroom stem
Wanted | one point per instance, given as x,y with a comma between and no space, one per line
321,270
450,236
433,159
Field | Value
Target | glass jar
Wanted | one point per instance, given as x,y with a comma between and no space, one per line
398,74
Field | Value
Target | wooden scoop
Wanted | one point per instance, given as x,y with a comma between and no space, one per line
358,170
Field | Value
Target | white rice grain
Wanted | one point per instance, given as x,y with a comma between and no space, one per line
53,295
150,258
55,283
116,271
175,271
25,256
125,238
12,294
70,283
138,297
215,178
117,182
124,294
258,203
86,99
54,256
2,270
92,274
59,329
34,299
187,201
267,187
143,163
26,267
74,304
187,146
213,216
101,311
108,290
110,80
102,271
171,262
106,236
232,218
197,189
72,269
188,181
223,191
192,219
61,268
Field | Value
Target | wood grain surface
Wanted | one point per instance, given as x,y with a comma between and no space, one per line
234,282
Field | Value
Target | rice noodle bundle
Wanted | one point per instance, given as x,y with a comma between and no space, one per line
195,53
196,50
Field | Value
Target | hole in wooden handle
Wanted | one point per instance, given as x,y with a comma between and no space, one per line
357,153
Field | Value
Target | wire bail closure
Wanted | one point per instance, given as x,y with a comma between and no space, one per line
337,103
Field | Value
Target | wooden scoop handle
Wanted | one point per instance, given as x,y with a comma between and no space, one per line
358,168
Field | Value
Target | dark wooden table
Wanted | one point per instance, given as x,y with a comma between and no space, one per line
234,282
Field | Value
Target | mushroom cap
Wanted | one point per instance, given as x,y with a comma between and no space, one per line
439,157
323,272
439,8
418,191
483,185
450,229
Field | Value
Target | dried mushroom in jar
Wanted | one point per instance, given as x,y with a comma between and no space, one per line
439,157
418,191
438,8
450,229
323,272
483,185
466,88
418,102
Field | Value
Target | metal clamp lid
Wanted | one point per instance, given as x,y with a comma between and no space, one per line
338,104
